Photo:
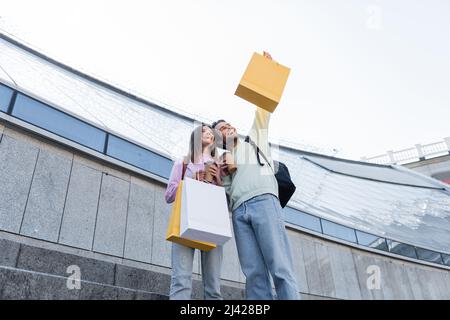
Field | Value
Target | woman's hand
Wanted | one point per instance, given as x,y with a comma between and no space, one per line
217,176
214,171
200,175
218,179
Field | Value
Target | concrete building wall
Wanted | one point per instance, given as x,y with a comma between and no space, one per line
56,198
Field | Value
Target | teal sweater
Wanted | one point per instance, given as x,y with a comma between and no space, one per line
250,179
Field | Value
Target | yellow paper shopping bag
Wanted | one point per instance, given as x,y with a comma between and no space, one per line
263,82
173,230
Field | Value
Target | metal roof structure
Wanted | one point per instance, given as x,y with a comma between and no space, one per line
385,201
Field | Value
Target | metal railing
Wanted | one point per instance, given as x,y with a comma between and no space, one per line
417,153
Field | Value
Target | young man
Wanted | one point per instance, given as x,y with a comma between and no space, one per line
258,223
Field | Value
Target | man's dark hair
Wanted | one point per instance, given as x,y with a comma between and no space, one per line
218,135
215,123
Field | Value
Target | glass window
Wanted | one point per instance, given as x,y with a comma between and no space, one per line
446,259
302,219
338,231
402,249
58,123
5,97
372,241
428,255
139,157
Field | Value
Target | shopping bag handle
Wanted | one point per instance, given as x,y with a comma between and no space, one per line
184,170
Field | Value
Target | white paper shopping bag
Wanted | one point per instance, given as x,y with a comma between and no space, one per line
204,212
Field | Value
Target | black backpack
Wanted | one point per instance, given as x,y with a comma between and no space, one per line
286,187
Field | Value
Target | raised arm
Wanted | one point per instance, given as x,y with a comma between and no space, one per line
260,130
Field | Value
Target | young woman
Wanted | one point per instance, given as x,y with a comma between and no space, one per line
202,149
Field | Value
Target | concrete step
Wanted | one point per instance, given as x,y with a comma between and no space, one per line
30,272
17,284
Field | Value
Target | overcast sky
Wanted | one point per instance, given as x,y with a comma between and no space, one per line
366,76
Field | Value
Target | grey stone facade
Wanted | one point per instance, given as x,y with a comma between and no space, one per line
59,207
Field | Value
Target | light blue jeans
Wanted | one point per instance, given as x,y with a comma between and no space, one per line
181,281
263,248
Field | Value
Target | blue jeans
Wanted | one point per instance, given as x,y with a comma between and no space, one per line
263,248
181,281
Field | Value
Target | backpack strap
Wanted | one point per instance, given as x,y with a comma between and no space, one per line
258,151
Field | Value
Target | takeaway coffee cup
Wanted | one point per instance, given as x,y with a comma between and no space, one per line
208,177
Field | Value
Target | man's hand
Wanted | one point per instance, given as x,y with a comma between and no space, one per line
267,55
215,172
